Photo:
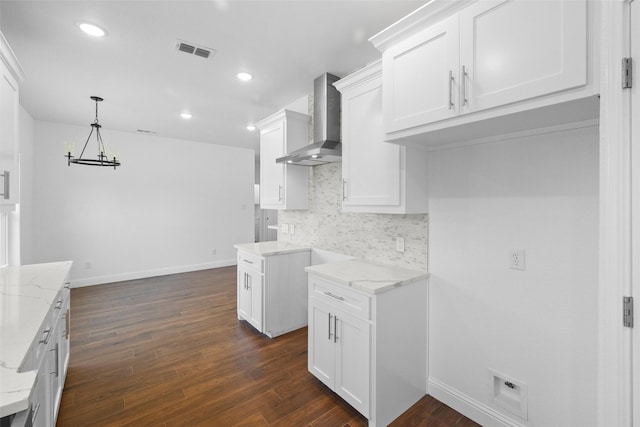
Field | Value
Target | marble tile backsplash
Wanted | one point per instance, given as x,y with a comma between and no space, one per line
368,236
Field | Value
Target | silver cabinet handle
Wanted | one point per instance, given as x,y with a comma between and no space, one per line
249,281
247,261
46,335
330,327
344,189
464,83
335,328
58,305
280,193
450,89
35,414
67,285
7,187
67,325
338,297
57,350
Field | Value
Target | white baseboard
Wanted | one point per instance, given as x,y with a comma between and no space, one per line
100,280
469,407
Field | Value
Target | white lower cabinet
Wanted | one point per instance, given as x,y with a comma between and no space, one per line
272,287
369,348
339,347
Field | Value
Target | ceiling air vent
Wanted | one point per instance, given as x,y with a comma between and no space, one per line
194,49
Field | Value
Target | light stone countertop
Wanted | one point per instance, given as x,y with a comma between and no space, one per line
271,248
26,295
367,276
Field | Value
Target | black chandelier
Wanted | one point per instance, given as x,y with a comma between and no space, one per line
102,159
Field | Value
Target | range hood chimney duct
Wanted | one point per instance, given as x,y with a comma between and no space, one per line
326,146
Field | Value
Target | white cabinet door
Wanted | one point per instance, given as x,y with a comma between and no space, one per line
420,77
250,297
244,294
513,50
8,138
283,186
370,166
339,353
321,360
255,289
353,352
272,173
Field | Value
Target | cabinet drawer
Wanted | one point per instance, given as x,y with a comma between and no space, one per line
248,260
340,296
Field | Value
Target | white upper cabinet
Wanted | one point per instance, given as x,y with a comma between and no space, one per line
11,75
377,177
450,64
283,186
420,77
514,50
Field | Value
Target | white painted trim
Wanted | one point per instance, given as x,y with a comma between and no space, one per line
614,281
516,135
431,12
101,280
468,406
8,57
634,24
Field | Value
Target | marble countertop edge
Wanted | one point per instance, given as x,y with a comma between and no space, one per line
17,398
271,248
367,276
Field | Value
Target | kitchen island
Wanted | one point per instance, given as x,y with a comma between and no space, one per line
34,341
272,286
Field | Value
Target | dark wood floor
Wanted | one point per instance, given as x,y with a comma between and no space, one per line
170,351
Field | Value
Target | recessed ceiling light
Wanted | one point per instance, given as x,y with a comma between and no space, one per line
251,128
245,77
185,115
92,29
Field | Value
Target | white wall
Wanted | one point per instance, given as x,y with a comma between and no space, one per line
27,238
538,326
163,211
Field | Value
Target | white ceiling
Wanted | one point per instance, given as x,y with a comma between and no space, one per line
147,83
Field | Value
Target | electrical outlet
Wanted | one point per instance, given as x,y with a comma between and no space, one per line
213,251
517,259
400,244
284,228
87,265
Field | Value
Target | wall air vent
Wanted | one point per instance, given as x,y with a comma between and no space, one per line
194,49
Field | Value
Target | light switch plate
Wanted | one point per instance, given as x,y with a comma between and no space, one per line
400,244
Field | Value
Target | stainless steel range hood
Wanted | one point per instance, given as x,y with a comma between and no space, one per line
326,147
